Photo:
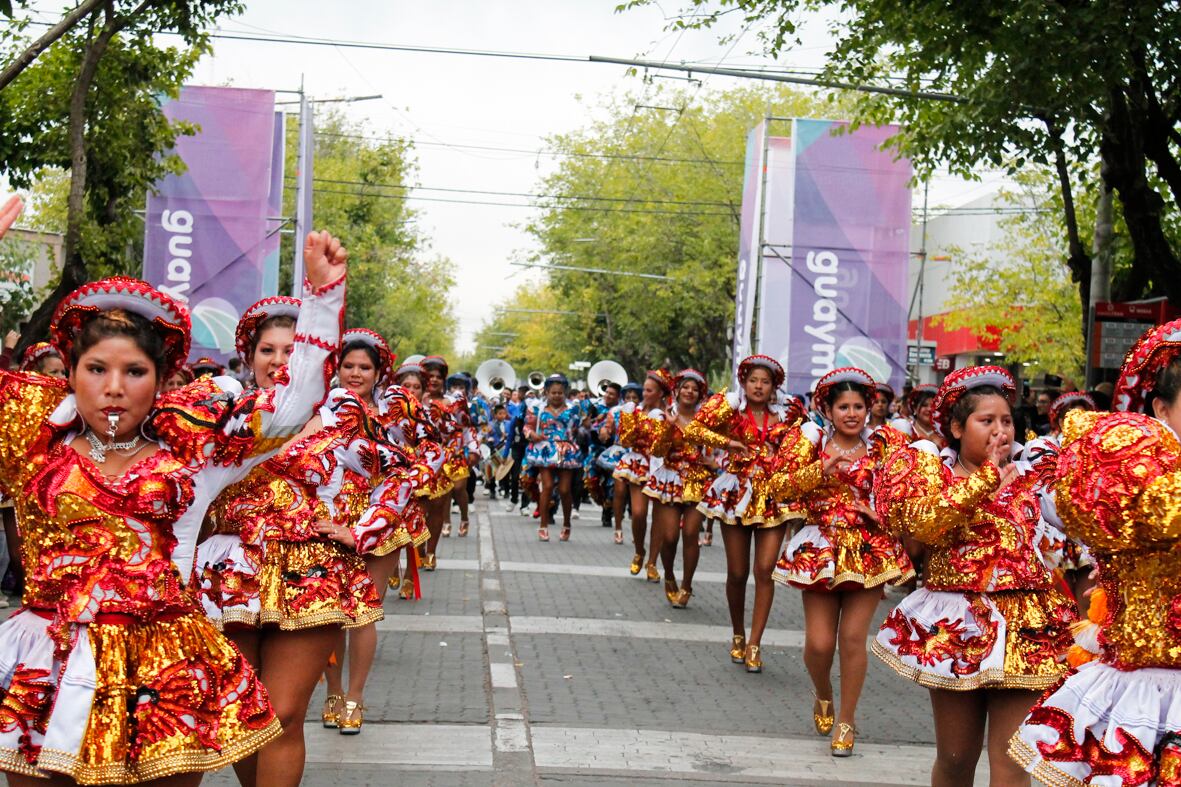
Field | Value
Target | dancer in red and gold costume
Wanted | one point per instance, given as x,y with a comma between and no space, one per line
920,425
676,485
988,628
840,557
364,371
115,675
408,424
444,412
275,573
749,424
1117,720
638,428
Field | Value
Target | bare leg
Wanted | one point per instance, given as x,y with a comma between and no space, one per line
768,542
822,615
691,546
666,519
959,735
1007,708
334,672
566,494
737,539
545,500
436,513
639,503
618,502
363,641
461,498
291,664
857,610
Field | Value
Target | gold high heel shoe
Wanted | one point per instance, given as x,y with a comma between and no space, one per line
681,601
842,745
406,592
737,648
637,563
753,659
330,716
352,718
824,719
429,562
671,591
653,574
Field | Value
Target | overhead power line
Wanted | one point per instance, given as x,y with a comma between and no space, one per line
536,152
573,197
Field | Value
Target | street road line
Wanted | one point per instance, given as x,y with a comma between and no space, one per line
450,747
672,754
504,675
643,629
432,623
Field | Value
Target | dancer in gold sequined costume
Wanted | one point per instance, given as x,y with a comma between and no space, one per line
114,674
839,557
637,431
748,424
1117,720
988,629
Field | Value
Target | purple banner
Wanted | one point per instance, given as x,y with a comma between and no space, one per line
850,230
208,241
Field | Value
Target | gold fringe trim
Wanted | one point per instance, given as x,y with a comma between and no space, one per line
755,522
328,617
399,539
631,478
893,576
52,760
673,500
987,679
1045,772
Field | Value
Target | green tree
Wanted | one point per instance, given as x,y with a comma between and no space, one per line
654,191
89,105
396,287
17,297
1013,83
528,333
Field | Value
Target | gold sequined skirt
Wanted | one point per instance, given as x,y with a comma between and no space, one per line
842,558
410,531
298,585
133,702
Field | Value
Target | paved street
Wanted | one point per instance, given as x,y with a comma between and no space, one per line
530,662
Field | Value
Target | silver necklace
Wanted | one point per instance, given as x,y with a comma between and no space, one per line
832,439
98,449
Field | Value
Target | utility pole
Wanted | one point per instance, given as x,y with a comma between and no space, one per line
1100,272
761,219
303,188
920,286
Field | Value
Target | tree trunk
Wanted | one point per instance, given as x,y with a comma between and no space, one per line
1079,262
26,58
73,266
1154,262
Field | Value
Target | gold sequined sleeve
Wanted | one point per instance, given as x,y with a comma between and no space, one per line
26,400
913,497
626,435
645,431
798,467
663,437
1160,506
709,426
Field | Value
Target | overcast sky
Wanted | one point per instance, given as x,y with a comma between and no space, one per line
445,100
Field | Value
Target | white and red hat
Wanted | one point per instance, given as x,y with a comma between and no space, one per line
1066,401
35,352
751,362
247,331
1152,352
378,343
169,317
962,381
845,374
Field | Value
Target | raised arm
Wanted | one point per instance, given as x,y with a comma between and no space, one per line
798,468
913,496
708,427
26,401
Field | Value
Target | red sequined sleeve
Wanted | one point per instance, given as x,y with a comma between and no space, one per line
914,496
26,400
710,427
798,468
644,431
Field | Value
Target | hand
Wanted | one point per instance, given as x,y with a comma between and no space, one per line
738,447
337,533
997,450
868,513
11,339
8,212
834,464
1008,475
324,259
